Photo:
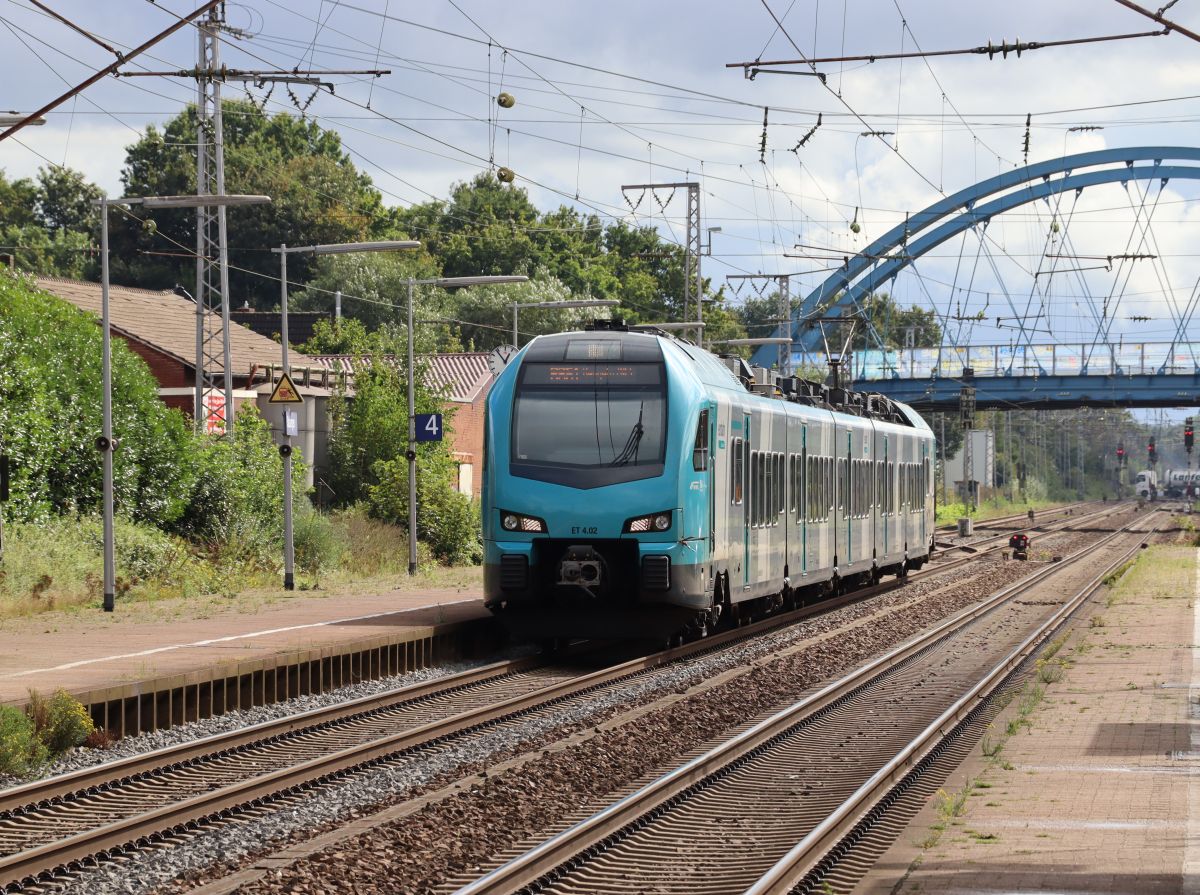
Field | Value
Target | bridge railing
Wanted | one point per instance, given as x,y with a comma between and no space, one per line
1140,358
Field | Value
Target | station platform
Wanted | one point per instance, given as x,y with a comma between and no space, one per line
1093,787
150,665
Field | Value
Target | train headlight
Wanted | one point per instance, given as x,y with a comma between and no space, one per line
517,522
660,521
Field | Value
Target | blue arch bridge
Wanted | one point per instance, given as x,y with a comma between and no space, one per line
1026,373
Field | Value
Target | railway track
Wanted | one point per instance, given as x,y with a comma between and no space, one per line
779,806
51,826
1020,519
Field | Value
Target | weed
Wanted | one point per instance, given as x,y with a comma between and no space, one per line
21,751
1131,686
989,748
953,804
1096,621
100,739
1050,672
1054,646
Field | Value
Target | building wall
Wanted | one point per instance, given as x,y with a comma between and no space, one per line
169,371
467,444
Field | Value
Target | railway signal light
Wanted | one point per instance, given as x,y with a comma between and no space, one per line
1120,454
1188,434
1152,452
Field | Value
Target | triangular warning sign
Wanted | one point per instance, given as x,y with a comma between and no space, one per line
285,392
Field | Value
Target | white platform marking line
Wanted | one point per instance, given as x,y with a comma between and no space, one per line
249,636
1191,854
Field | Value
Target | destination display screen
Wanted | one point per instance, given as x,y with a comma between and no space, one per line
592,374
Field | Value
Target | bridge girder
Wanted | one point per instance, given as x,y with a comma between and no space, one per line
874,265
1046,392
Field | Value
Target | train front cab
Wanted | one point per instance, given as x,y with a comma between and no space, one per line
597,518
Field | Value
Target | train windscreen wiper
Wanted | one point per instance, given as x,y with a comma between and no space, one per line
630,451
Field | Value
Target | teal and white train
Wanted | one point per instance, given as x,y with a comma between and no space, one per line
635,485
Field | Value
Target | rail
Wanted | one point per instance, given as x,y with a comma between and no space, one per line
543,862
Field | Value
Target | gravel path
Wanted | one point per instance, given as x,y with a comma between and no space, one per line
455,834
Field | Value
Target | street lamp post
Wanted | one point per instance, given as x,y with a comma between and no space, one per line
285,445
105,443
581,303
411,454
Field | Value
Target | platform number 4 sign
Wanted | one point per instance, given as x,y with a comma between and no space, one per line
428,426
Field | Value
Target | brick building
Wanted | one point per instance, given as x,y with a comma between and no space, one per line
160,327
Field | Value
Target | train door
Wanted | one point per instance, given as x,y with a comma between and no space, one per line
881,498
709,413
699,507
752,495
924,468
803,499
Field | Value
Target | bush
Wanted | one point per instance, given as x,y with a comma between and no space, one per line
446,520
62,722
318,542
236,504
21,751
50,414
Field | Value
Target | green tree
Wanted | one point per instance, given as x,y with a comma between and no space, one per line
892,324
50,416
64,253
485,228
374,287
66,201
371,424
318,197
484,313
18,201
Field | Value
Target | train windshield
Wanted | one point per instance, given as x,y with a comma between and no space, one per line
582,415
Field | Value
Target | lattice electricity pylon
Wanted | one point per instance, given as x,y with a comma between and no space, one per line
691,277
212,242
214,377
784,320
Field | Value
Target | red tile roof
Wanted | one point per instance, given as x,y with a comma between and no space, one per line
167,323
465,375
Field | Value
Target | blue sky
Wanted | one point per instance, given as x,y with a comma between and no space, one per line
626,92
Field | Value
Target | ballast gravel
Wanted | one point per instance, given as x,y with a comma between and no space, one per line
128,747
457,834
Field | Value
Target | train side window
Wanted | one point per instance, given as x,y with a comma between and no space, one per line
756,491
802,486
844,486
891,487
751,487
811,482
764,485
780,487
700,451
736,478
827,505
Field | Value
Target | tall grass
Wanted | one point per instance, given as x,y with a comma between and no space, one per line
57,564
